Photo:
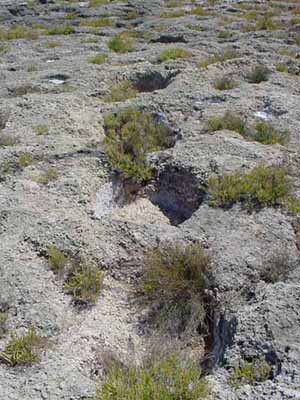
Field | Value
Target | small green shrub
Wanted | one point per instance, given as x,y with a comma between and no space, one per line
3,320
175,279
258,74
98,60
84,283
23,350
292,204
249,373
61,30
121,43
224,35
176,270
174,54
130,135
282,68
225,83
266,133
41,129
121,92
49,176
167,379
57,260
199,11
229,120
25,160
264,186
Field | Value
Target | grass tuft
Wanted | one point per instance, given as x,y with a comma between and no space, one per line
23,350
165,379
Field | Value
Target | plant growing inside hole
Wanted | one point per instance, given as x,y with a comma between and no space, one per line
264,186
162,379
23,350
84,282
121,91
130,136
175,280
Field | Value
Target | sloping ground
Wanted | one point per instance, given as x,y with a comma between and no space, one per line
53,101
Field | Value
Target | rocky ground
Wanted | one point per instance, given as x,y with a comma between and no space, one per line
51,112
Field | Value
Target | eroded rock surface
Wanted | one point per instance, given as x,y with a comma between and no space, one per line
52,108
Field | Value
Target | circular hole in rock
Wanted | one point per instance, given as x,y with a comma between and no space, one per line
152,80
177,193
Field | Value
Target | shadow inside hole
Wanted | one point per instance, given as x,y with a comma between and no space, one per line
152,80
177,194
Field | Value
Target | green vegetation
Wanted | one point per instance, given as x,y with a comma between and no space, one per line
173,54
57,260
25,160
61,30
130,136
41,129
97,23
264,186
258,74
3,320
97,3
229,120
249,373
49,176
266,133
282,68
121,91
98,60
23,350
84,283
168,379
225,83
18,32
175,279
262,132
121,43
